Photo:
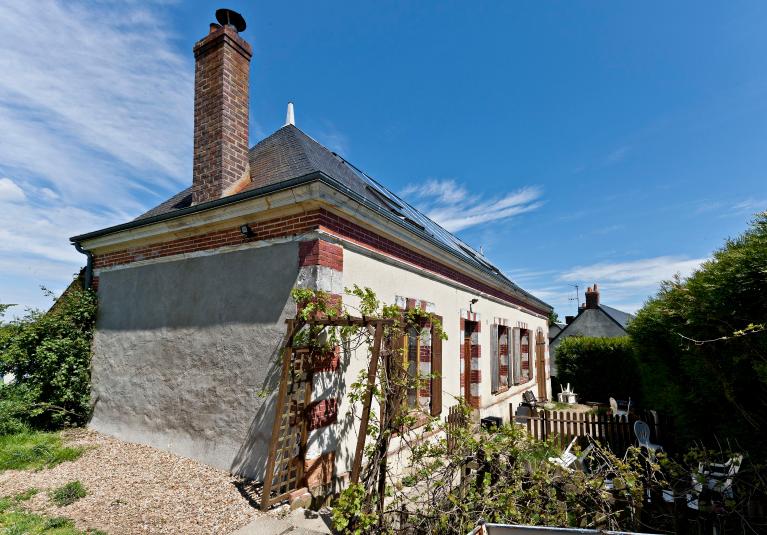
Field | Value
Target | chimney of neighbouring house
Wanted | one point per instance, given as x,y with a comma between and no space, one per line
569,319
592,297
221,79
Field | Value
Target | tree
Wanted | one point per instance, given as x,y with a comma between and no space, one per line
49,356
553,318
702,346
599,368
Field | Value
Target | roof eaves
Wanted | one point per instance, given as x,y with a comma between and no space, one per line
210,205
287,184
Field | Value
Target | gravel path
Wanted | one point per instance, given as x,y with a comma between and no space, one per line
134,488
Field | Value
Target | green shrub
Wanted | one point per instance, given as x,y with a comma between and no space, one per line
34,450
68,494
702,345
17,408
599,368
49,355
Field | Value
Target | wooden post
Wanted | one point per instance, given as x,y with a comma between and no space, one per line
372,371
269,475
308,371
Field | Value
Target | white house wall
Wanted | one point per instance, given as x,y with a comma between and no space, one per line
390,281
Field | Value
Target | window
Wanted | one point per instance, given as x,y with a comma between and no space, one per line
500,355
412,364
521,366
422,361
525,370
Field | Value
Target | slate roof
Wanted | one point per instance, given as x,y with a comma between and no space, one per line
289,154
619,316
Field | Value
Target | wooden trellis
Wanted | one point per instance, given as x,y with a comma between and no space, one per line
287,449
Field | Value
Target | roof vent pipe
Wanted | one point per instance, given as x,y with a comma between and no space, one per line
290,118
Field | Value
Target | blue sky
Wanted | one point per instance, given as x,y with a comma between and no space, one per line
575,142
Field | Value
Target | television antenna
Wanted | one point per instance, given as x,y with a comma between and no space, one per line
577,296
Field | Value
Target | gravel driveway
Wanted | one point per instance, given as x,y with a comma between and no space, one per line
134,488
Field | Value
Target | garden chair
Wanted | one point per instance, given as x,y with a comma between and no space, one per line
642,432
529,398
616,411
717,477
568,458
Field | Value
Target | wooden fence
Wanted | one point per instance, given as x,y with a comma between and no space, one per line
616,432
455,420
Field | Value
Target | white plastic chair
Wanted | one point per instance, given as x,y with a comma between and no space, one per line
717,477
642,432
567,457
616,411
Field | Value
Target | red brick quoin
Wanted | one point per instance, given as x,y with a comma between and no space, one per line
321,253
321,413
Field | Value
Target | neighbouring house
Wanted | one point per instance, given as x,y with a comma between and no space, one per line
593,319
195,293
555,329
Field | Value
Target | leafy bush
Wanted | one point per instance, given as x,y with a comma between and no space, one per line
17,408
35,450
509,480
49,355
68,493
598,368
702,345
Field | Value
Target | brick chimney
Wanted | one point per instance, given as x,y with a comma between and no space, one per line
221,79
592,297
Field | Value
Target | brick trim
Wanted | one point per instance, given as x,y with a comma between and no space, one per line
471,316
296,224
263,230
319,471
328,362
355,233
321,253
322,413
473,397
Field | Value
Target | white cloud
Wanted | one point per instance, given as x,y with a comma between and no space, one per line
750,205
624,285
84,104
10,191
97,122
452,206
633,273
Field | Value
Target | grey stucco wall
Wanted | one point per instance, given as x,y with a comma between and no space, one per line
590,322
185,351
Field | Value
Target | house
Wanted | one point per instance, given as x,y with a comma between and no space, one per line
593,319
194,294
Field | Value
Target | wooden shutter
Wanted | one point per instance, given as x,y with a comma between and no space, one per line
494,359
517,360
436,369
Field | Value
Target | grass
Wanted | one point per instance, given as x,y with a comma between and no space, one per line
16,521
34,450
68,494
